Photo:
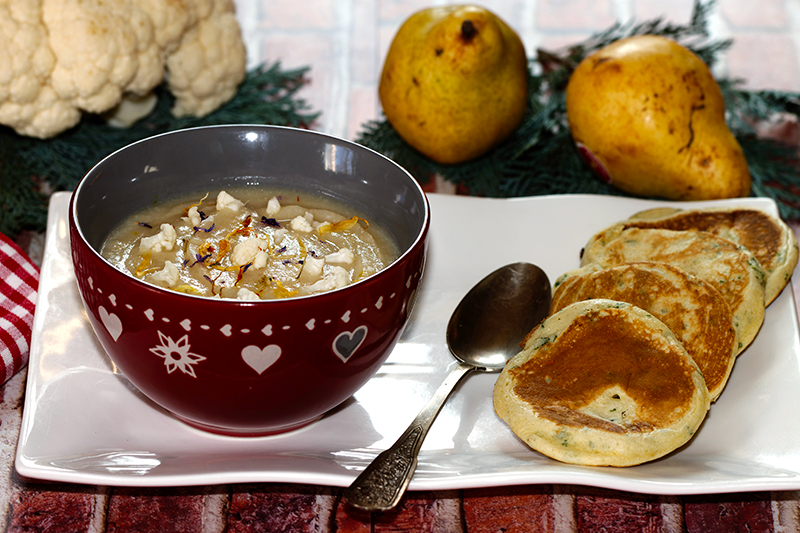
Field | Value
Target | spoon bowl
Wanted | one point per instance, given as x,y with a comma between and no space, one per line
496,314
483,333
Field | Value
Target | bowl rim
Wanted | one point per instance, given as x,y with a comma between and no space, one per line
419,239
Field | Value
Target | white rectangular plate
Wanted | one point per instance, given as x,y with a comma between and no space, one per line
83,422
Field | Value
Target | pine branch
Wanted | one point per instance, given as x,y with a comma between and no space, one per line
558,66
775,172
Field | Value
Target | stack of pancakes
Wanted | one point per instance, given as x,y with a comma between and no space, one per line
643,337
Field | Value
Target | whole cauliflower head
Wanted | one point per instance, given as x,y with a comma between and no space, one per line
61,58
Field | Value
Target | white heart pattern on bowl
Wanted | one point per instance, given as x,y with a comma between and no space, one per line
176,354
111,321
261,359
347,342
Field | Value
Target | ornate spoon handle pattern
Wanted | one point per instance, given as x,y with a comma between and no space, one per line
381,485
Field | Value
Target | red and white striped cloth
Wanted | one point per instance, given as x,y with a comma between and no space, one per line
19,280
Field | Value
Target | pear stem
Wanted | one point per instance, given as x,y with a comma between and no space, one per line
468,30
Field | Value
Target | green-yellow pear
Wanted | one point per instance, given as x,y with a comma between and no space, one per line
454,82
649,117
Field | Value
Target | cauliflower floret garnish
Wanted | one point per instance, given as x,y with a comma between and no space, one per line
246,294
194,216
312,268
226,201
197,220
169,275
279,234
335,278
67,57
260,260
163,241
343,256
302,224
273,206
248,250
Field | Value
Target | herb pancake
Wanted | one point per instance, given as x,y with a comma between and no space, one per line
769,238
602,383
730,268
691,308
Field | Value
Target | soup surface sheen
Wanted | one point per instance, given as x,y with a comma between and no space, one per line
249,244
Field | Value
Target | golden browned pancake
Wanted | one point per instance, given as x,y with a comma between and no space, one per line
769,238
730,268
602,383
695,311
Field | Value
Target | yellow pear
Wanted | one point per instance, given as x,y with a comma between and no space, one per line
649,117
454,82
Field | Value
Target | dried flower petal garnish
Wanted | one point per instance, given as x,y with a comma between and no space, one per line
242,270
187,289
145,225
204,230
186,210
206,247
224,248
221,268
200,259
243,229
280,291
343,225
213,282
141,270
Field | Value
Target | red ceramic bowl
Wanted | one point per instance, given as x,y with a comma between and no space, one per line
239,367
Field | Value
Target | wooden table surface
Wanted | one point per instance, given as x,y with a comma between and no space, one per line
343,41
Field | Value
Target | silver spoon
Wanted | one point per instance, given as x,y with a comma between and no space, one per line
484,332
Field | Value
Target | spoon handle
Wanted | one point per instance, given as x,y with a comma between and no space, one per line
381,485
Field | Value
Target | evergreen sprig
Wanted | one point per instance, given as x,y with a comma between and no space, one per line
540,157
32,168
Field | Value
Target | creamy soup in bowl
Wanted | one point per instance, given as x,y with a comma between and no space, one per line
250,244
